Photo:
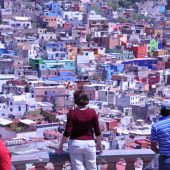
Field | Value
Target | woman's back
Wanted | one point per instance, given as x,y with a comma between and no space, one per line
80,124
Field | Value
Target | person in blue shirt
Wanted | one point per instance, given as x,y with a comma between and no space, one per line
160,136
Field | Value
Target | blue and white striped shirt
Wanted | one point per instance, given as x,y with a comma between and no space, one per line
160,133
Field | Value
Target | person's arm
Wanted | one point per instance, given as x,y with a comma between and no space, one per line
96,126
67,132
98,143
154,147
97,132
154,140
63,140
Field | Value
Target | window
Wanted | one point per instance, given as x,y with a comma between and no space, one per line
90,96
45,92
3,114
11,103
11,109
19,108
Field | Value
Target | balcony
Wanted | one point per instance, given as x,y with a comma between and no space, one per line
109,160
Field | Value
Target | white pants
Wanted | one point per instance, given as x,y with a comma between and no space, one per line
82,154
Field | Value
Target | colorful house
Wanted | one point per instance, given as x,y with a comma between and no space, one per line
153,46
140,51
35,62
124,55
150,63
57,70
54,69
108,70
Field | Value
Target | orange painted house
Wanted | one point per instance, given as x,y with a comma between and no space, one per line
140,51
51,20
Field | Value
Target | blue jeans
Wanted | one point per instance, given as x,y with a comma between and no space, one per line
164,162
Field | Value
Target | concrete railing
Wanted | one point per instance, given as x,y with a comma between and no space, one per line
38,159
109,160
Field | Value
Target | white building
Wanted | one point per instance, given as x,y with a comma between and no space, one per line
95,87
126,100
57,55
98,25
115,14
31,50
107,96
86,68
166,92
40,129
5,78
5,122
30,102
73,15
17,106
4,113
22,22
44,105
85,57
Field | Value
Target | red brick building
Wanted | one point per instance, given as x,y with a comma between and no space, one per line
140,51
153,78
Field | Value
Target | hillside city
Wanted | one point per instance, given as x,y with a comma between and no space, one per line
117,51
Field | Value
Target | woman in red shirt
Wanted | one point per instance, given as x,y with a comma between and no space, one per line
82,124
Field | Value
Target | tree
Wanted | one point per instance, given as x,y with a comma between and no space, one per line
122,20
113,4
137,16
125,3
89,37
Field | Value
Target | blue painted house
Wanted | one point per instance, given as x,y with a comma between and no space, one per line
108,70
55,46
160,45
150,63
52,8
57,70
162,8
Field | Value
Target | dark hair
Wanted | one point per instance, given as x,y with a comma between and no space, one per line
81,98
165,112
